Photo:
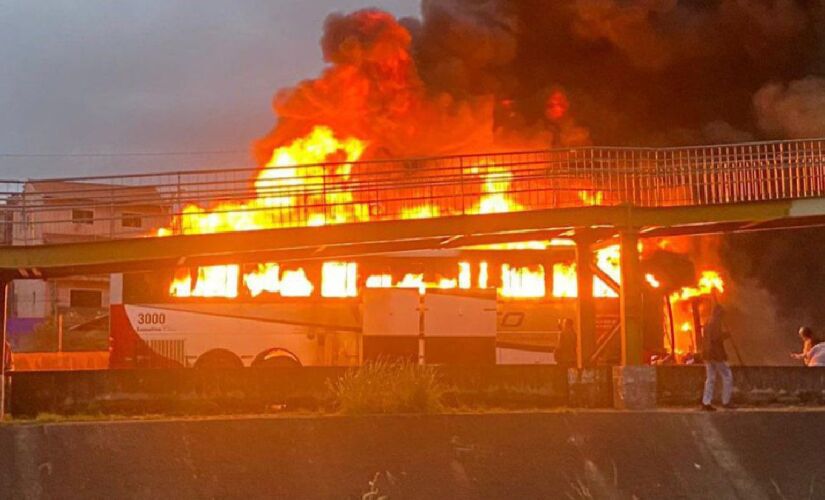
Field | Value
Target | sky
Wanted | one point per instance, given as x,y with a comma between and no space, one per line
101,78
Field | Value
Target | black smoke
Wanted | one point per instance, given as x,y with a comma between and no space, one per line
650,72
490,74
653,72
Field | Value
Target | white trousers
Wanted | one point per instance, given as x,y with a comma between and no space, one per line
712,368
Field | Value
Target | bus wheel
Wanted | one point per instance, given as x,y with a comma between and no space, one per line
276,358
218,358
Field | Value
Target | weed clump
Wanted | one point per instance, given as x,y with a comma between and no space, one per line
388,387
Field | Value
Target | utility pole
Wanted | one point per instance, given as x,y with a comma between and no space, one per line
4,287
60,332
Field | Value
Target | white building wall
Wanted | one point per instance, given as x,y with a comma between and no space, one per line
64,289
31,299
44,220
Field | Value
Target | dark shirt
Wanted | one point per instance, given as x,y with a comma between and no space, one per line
565,353
713,348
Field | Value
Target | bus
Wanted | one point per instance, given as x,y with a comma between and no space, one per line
436,308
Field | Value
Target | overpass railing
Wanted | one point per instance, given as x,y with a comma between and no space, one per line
188,202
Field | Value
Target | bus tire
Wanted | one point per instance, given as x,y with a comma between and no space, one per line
218,359
276,358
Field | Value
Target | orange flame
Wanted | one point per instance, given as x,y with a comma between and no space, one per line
421,212
266,278
565,282
652,281
592,198
294,283
565,276
608,260
465,278
413,281
339,279
495,200
379,281
483,275
212,281
294,171
709,282
522,282
300,187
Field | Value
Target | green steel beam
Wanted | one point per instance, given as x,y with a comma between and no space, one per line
381,237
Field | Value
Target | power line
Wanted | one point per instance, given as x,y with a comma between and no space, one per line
118,155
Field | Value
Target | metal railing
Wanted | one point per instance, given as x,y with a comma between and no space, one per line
106,207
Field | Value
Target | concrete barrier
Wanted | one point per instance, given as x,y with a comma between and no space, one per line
212,392
753,385
604,454
634,387
252,390
54,361
590,387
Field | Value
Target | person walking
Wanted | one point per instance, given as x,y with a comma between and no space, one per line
716,359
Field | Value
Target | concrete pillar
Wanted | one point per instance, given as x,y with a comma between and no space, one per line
585,305
631,300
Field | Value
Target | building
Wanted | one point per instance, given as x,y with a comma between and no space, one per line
54,212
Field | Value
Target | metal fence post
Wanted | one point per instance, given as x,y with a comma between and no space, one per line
177,208
461,183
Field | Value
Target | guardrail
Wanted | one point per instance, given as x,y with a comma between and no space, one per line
107,207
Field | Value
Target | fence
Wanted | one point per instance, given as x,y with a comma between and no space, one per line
72,209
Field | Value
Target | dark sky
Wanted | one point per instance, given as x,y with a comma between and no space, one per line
96,76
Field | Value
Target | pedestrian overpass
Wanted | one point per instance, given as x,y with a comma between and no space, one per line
63,227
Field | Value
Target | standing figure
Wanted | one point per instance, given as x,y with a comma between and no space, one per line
716,359
565,353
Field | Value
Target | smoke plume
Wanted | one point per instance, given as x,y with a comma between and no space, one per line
472,75
485,75
795,109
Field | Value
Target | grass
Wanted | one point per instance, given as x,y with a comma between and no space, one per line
389,387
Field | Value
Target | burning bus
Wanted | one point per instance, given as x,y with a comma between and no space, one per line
460,307
478,306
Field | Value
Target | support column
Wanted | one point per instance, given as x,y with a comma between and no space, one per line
4,287
631,300
585,304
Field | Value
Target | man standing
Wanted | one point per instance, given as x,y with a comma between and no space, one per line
566,352
716,359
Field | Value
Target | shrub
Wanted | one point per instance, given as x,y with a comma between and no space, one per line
388,387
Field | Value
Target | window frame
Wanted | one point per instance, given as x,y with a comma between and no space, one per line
131,216
87,220
86,291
